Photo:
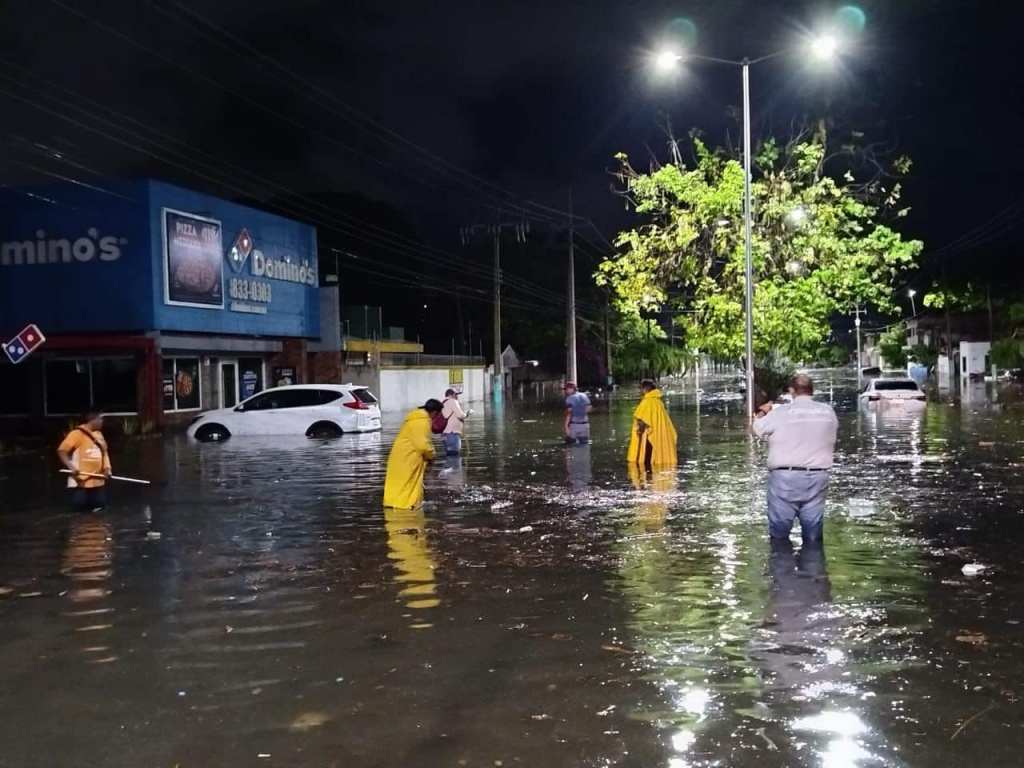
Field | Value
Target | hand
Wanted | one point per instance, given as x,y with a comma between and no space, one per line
765,409
108,472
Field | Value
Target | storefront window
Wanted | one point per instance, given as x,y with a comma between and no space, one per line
113,385
67,387
17,383
250,376
167,383
180,384
76,386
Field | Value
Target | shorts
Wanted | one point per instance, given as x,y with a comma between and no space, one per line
579,432
89,498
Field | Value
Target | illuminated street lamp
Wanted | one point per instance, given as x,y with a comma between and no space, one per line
913,308
823,48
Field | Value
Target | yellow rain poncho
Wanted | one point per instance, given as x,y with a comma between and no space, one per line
412,449
659,435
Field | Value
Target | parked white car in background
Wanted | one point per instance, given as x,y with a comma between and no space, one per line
313,410
899,394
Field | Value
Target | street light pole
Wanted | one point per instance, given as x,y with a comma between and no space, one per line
570,340
499,376
747,241
856,322
913,307
822,47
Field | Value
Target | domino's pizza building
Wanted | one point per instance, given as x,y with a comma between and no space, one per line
156,301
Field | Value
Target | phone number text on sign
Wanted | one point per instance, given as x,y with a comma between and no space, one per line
241,289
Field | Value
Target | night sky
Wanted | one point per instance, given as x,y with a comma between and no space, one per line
393,125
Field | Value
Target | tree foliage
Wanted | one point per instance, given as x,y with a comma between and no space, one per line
819,246
892,344
643,349
1008,353
965,297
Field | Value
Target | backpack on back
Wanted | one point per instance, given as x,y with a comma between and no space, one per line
438,423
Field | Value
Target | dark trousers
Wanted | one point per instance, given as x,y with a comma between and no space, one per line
89,498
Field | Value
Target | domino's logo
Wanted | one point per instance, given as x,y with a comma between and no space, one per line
22,345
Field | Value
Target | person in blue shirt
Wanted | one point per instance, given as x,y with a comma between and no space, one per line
577,415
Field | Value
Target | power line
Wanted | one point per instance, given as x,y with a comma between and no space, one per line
381,238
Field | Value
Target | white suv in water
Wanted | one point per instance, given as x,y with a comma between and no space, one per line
313,410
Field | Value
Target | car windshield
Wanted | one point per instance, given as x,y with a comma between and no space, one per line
364,396
906,384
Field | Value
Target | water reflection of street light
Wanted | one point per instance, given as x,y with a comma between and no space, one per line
823,47
913,308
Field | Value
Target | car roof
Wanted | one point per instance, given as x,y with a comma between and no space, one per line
335,387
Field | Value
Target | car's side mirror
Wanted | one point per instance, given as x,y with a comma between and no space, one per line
240,408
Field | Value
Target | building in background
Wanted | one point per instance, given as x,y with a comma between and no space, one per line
156,301
159,302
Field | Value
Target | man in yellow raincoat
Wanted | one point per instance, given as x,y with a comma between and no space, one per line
653,442
407,462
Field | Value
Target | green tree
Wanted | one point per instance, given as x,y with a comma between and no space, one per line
892,344
643,349
925,355
1008,353
819,246
957,297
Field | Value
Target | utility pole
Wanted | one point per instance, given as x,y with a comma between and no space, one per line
949,331
991,331
608,341
521,229
570,339
499,374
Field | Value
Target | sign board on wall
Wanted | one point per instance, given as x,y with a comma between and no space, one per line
455,379
284,377
193,260
63,245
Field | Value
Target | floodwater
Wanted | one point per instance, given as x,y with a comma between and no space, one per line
257,606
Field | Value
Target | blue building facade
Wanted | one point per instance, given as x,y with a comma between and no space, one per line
154,299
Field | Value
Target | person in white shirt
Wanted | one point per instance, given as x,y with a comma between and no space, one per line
801,441
454,417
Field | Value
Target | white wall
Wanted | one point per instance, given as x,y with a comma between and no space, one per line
973,353
405,388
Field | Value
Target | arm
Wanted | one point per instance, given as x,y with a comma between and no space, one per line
641,426
568,418
457,411
64,451
422,443
764,423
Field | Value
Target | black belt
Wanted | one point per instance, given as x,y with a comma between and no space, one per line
799,469
579,422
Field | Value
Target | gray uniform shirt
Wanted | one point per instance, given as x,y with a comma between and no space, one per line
800,434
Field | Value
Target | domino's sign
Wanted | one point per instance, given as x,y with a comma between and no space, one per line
22,345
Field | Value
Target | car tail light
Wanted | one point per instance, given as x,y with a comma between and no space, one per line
873,398
357,405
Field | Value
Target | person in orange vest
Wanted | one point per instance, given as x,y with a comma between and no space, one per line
84,452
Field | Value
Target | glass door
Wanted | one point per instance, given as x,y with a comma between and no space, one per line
228,385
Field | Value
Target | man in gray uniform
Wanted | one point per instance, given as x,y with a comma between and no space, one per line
577,415
801,441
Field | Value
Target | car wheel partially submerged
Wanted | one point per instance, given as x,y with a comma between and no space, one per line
212,433
323,430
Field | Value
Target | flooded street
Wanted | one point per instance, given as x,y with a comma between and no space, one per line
257,606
